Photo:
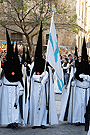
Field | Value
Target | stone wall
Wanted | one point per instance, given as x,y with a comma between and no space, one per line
65,37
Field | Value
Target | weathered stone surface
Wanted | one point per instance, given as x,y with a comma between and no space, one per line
65,37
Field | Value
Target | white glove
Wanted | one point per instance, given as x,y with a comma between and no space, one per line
21,92
83,76
43,74
73,83
29,66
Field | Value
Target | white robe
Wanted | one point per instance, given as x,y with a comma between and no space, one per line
10,96
38,116
25,105
78,100
64,97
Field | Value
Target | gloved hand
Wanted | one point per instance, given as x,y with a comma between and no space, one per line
45,78
73,83
83,76
21,92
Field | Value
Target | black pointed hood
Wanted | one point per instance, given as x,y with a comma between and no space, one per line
76,58
39,63
84,52
10,52
83,67
38,52
84,59
12,68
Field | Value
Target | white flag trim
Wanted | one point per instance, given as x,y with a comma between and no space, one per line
53,56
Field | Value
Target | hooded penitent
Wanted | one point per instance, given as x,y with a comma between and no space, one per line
39,64
12,68
83,67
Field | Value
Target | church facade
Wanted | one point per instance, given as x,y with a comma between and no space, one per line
83,21
66,37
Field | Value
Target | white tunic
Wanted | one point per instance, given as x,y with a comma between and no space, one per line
10,96
25,104
64,97
38,111
79,97
37,117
